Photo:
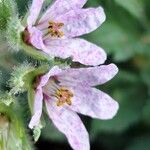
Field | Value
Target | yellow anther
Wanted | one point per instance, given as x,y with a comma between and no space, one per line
63,96
68,101
54,29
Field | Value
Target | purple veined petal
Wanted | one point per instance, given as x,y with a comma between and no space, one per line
90,76
80,50
34,12
36,38
81,21
53,72
38,101
59,7
69,123
94,103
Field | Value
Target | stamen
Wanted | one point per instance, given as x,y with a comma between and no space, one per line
54,29
63,96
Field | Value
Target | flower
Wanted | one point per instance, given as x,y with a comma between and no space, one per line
57,30
69,91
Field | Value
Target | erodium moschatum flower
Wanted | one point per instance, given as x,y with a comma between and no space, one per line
69,91
58,29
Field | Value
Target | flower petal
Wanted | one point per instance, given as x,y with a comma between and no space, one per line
94,103
34,11
38,101
36,38
90,76
81,21
80,50
44,79
69,123
60,7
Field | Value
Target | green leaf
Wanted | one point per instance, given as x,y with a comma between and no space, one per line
145,74
134,7
146,113
17,137
94,3
7,9
139,143
22,6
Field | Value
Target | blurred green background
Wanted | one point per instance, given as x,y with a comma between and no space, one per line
125,36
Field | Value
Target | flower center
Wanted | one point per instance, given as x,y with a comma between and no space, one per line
54,29
63,96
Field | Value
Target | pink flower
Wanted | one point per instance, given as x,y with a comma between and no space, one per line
56,32
69,91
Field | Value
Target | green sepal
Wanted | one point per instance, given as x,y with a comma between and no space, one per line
37,132
33,52
16,82
15,31
23,79
30,80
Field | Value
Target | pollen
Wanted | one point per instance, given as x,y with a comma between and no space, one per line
54,29
63,96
